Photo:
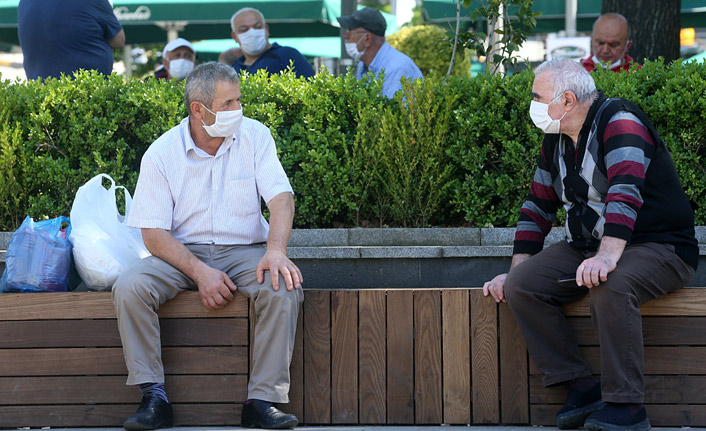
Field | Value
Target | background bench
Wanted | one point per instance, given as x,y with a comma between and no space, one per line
396,356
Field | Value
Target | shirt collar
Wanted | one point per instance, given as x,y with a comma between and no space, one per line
189,145
378,62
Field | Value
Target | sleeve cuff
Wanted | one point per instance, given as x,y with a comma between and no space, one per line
617,231
527,247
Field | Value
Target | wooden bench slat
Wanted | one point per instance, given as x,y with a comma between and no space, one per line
657,331
113,390
372,356
344,357
400,364
104,333
665,360
98,305
455,314
113,415
428,393
484,359
110,361
317,357
513,370
683,302
658,389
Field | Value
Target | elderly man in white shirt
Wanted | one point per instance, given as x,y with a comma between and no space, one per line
197,202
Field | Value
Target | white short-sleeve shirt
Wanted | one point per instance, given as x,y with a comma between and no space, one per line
204,199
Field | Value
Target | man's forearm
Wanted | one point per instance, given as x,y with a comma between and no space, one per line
519,258
281,217
162,244
611,248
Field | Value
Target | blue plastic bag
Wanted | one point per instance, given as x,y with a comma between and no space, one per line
38,258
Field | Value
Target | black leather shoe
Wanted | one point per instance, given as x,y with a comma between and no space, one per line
578,406
153,413
263,414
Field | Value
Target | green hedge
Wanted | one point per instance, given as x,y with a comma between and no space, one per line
454,154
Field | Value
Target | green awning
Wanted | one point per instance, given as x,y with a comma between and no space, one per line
443,12
147,21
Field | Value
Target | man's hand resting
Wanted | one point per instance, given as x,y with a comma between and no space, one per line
278,263
215,288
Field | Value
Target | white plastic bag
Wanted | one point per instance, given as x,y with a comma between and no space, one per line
104,246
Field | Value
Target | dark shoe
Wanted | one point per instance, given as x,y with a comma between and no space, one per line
153,413
618,417
263,414
578,406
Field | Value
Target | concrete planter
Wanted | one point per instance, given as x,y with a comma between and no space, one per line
406,258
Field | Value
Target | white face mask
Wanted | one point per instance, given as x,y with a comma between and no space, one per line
253,41
226,124
352,49
539,112
180,67
603,65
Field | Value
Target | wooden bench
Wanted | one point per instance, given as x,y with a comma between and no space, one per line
395,357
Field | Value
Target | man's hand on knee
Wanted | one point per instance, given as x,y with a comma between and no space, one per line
496,288
215,288
278,263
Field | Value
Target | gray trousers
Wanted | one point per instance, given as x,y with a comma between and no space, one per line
644,272
138,293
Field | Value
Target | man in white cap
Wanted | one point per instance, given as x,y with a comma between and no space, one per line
178,59
252,34
365,41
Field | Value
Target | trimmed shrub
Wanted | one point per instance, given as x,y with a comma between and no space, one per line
459,153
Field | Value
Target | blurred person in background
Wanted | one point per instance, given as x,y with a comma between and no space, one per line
65,36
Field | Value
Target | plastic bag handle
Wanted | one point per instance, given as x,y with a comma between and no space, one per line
128,199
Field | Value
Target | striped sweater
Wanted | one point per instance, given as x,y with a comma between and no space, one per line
619,181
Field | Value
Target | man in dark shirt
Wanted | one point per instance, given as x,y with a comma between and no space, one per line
252,34
629,239
64,36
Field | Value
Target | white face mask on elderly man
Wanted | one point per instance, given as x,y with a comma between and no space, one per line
180,67
352,49
253,41
226,124
539,113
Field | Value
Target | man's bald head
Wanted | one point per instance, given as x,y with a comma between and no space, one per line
611,37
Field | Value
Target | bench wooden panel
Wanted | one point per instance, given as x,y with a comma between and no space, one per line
395,357
426,356
674,334
62,364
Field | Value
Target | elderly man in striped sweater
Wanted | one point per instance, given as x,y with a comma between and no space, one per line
629,238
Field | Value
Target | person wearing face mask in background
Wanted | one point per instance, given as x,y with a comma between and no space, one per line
365,42
197,202
178,60
252,35
610,42
629,239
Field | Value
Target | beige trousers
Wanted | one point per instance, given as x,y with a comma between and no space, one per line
139,291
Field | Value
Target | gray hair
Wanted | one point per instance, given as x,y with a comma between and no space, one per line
201,83
569,75
244,10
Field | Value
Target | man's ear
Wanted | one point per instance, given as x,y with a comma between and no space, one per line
569,100
165,63
197,110
234,36
628,45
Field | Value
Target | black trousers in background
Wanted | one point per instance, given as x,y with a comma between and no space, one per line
644,272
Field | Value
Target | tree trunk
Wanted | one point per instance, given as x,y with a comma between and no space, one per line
654,26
